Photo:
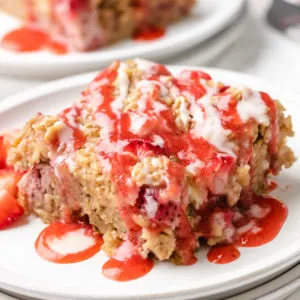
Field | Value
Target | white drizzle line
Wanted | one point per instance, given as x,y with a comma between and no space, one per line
252,106
208,125
145,65
123,80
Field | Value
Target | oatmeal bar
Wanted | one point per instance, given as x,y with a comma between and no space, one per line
89,24
158,159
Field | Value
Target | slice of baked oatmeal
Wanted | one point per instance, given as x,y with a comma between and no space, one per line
158,159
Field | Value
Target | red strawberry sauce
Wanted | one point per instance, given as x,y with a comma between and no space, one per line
126,264
223,254
30,39
263,231
149,33
58,233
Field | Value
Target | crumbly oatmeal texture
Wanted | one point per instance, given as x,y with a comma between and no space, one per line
153,158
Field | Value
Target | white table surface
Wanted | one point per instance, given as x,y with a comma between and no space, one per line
261,51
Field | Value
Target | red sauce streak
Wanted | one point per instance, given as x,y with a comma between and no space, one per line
30,39
74,112
30,15
130,269
223,254
272,186
269,225
149,33
58,231
272,112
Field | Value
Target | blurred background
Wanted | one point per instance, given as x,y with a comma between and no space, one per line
262,39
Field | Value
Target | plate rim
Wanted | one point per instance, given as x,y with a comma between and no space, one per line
288,255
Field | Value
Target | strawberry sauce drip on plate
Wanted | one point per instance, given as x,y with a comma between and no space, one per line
30,39
149,33
223,254
67,243
267,227
272,185
126,264
260,227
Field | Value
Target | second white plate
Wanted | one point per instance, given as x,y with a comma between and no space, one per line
208,18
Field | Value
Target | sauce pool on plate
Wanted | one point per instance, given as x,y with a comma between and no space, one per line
149,33
126,264
67,243
30,39
223,254
266,228
264,225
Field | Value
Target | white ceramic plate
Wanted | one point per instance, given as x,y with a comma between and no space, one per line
206,53
23,272
208,18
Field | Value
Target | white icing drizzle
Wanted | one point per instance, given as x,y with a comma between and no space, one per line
250,226
95,84
209,90
137,122
194,166
71,117
55,164
107,146
70,163
65,136
146,85
95,99
145,65
223,103
123,80
104,122
105,164
151,204
72,242
252,106
208,125
158,140
258,212
125,251
63,159
159,107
